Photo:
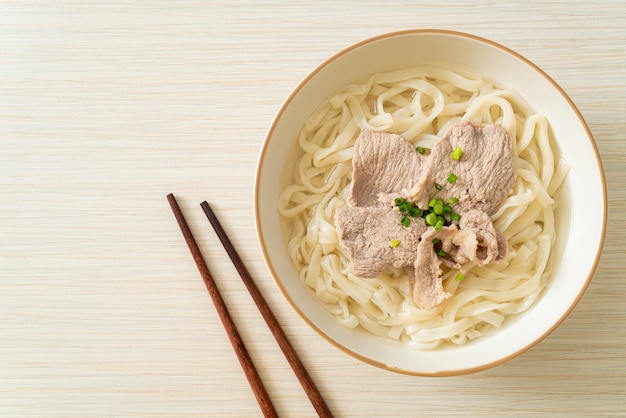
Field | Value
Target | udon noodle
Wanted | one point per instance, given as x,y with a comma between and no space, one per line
420,104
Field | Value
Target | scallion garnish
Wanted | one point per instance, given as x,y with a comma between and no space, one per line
430,219
438,186
456,154
407,209
438,208
420,150
394,243
438,214
452,178
442,253
459,277
415,212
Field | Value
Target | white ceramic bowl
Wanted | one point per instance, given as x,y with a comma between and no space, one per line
582,219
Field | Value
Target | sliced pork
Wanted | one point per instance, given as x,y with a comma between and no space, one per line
475,240
382,163
375,239
484,174
427,286
456,246
386,166
491,244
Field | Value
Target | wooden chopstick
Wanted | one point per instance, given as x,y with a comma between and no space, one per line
292,357
245,360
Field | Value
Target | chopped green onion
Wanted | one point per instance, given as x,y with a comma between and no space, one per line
407,208
459,277
436,241
452,178
438,186
441,253
394,243
438,208
430,219
456,154
439,213
421,150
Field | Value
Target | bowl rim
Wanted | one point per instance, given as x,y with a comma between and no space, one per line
427,31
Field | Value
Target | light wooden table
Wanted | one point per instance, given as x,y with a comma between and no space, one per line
106,107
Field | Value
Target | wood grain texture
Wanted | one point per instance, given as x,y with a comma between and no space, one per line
106,107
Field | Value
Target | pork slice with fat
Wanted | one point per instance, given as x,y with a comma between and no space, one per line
491,244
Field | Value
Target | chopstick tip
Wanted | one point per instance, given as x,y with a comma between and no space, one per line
205,205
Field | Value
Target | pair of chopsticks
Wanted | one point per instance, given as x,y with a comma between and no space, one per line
245,360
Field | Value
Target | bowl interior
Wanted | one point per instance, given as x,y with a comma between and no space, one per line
580,235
